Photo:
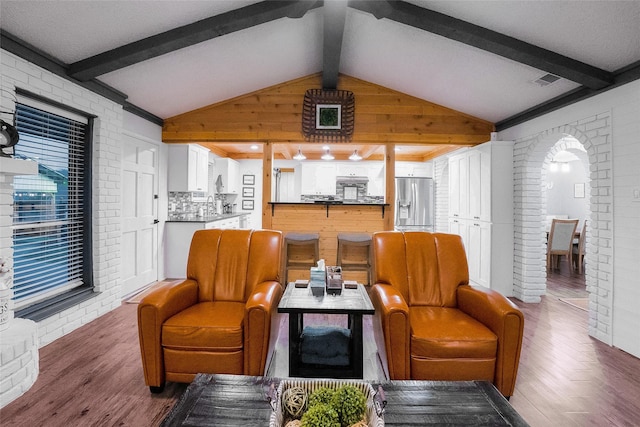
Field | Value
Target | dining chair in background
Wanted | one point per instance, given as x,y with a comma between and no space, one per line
578,249
561,242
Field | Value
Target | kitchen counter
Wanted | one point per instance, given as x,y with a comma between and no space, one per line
328,203
328,219
206,219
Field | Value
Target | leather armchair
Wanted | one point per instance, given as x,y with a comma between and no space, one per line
430,324
221,318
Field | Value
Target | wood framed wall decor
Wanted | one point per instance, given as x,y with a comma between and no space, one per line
328,115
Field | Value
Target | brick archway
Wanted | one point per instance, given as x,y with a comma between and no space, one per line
532,156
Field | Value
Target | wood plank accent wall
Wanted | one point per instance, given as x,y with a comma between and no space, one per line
312,218
275,114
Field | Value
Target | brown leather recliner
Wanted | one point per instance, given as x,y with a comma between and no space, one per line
430,324
221,318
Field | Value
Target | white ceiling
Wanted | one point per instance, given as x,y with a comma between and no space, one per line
604,34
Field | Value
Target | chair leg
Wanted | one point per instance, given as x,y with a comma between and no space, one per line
156,389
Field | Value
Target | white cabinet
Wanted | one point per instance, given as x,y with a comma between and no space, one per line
414,169
229,171
376,184
481,211
188,168
318,179
352,169
178,237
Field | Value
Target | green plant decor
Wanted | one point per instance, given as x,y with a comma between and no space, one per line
320,415
350,403
321,395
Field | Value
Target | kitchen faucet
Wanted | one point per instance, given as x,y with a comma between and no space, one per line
213,207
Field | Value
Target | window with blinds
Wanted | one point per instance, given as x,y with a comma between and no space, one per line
49,223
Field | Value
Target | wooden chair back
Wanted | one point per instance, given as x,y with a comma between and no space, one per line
561,240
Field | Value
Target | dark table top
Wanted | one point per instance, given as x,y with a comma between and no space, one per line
300,300
236,400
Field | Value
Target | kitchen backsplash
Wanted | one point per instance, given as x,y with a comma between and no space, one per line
360,192
183,205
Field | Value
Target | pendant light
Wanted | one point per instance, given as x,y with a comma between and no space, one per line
327,155
299,155
355,156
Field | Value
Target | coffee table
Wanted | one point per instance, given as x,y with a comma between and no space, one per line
237,400
352,302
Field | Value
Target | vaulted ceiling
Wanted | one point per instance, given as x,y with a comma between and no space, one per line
484,59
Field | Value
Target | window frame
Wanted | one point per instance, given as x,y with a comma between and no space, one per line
85,291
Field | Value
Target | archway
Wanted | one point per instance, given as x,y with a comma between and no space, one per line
532,157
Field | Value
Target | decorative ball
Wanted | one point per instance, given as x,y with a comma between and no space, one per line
293,423
294,401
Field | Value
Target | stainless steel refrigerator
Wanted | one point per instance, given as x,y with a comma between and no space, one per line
414,204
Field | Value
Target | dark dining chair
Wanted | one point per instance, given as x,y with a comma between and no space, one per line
561,242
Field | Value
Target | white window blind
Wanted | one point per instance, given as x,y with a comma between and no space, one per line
48,221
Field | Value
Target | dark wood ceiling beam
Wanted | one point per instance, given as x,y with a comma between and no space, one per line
335,15
488,40
188,35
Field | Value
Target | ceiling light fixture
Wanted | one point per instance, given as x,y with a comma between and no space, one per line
355,156
299,155
327,155
254,146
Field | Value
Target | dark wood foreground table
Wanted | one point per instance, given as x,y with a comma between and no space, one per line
236,400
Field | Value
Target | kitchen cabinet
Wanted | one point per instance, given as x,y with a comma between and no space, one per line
375,173
481,212
318,178
229,170
188,168
414,169
178,235
352,169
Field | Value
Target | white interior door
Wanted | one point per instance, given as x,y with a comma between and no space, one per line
139,214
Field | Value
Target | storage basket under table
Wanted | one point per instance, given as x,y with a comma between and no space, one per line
373,413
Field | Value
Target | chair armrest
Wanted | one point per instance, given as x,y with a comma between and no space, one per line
260,311
153,311
392,329
504,318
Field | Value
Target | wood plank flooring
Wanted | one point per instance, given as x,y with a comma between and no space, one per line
93,376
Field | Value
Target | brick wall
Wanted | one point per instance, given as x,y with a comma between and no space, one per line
532,156
16,72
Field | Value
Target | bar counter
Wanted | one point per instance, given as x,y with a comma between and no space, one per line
328,218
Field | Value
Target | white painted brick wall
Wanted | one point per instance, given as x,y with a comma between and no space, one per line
19,359
531,155
107,141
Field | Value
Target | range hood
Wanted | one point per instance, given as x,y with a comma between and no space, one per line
352,179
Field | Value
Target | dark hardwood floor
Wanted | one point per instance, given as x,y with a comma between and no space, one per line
93,376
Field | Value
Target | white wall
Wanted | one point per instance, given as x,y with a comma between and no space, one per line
611,124
17,72
561,198
110,124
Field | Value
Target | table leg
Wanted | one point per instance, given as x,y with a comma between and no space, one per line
355,324
296,324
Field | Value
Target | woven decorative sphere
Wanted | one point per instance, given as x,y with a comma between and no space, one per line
294,401
293,423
